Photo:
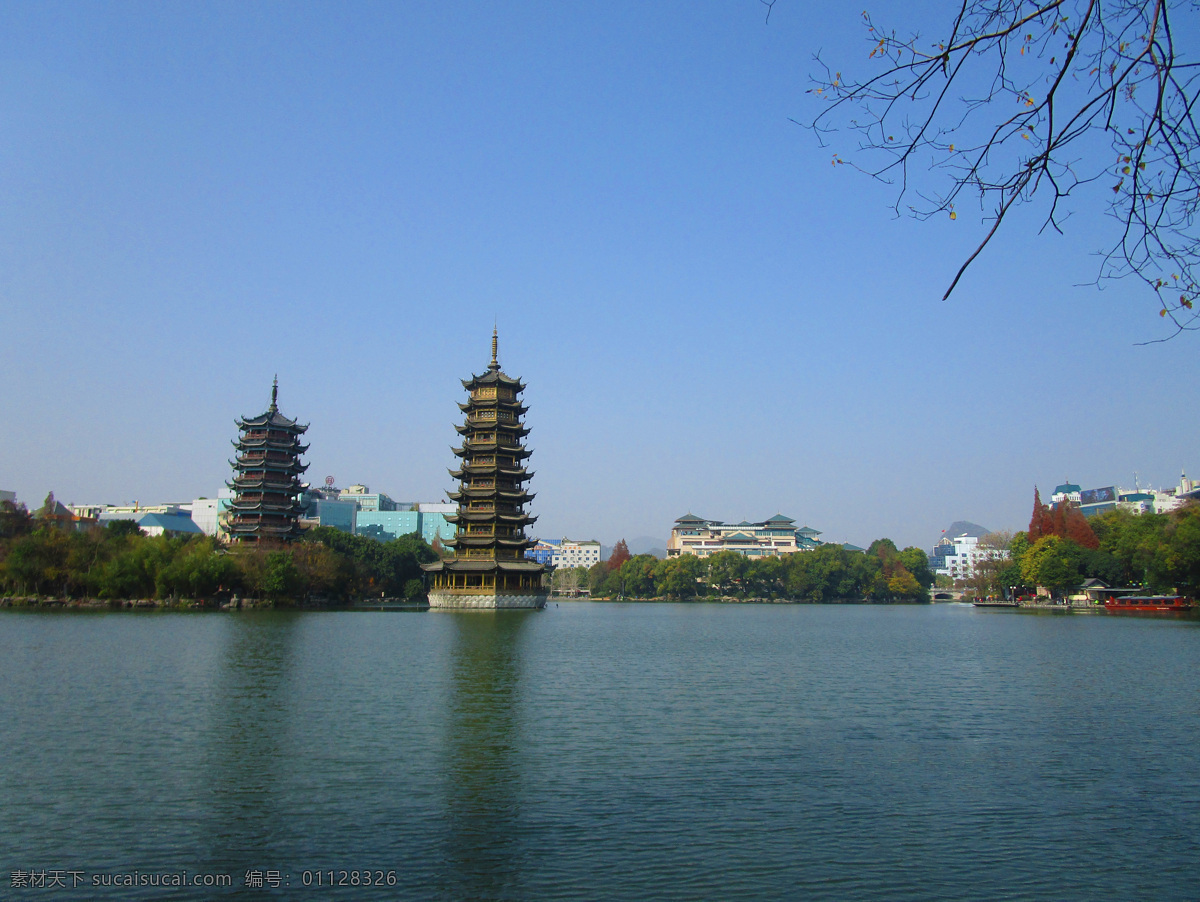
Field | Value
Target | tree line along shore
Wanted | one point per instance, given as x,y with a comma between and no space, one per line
1061,549
883,574
118,566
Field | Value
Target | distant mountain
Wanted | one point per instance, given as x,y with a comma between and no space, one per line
963,527
647,545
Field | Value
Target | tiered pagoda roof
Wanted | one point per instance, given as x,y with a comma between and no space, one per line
266,482
489,542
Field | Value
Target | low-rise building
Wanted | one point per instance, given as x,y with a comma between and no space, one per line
768,538
387,525
206,512
434,525
366,499
958,557
543,551
177,524
427,519
322,510
569,553
1138,500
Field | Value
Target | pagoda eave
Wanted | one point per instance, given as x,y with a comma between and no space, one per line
484,566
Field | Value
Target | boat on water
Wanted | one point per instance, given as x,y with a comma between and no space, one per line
1150,604
996,603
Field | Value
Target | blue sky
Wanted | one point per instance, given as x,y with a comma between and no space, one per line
710,317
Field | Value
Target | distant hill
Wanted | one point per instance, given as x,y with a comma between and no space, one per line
963,527
647,545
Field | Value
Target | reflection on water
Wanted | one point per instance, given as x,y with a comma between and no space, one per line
246,724
483,763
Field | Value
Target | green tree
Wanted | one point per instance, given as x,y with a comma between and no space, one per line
1181,552
1097,564
132,571
379,568
916,562
87,553
727,572
808,574
884,549
199,569
904,585
1017,546
115,529
597,577
765,576
633,579
15,520
281,579
35,563
831,573
679,577
1052,562
1136,541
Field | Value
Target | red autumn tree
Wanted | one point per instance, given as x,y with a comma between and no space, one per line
620,554
1040,524
1058,518
1064,520
1077,528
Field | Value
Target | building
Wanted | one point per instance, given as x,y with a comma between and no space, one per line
387,525
106,513
575,554
958,557
61,516
1138,500
266,483
321,508
169,525
206,512
488,568
366,499
436,523
1068,491
543,551
565,553
428,520
768,538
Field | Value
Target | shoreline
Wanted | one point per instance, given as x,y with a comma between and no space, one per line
34,602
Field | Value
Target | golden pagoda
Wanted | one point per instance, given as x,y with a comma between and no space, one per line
489,568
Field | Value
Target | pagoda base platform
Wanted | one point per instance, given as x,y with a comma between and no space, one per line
462,601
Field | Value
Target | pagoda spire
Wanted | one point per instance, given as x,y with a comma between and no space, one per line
275,395
495,364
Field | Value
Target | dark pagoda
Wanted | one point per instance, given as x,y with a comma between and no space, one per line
489,568
266,482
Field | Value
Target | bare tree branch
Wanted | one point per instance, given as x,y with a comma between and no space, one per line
1029,98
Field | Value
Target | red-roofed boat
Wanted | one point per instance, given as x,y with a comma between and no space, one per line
1150,604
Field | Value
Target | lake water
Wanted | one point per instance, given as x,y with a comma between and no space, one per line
604,751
